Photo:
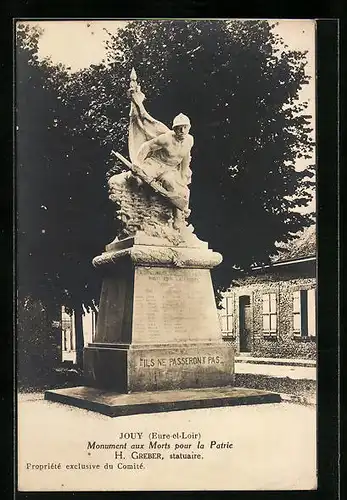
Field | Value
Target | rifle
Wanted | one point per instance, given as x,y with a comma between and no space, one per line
176,200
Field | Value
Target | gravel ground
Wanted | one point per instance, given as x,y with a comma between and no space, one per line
255,447
294,372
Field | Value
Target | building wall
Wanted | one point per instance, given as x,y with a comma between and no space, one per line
285,341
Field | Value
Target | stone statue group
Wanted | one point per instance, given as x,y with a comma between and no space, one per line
159,171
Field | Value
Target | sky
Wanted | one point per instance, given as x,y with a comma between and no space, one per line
66,41
79,43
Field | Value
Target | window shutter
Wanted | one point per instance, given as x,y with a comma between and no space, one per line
273,303
266,323
311,311
296,302
273,322
226,316
297,311
266,303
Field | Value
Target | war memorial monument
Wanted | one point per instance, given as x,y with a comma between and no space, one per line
158,343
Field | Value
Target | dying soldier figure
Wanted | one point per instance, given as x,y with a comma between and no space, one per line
162,153
166,158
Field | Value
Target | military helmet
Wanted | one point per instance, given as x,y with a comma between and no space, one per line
181,119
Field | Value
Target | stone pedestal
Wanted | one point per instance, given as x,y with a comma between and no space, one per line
157,325
158,344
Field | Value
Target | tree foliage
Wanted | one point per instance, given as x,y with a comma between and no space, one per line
38,344
62,203
239,85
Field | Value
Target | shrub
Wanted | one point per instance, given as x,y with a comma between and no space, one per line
38,344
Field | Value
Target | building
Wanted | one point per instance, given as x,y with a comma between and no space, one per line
272,312
68,333
269,313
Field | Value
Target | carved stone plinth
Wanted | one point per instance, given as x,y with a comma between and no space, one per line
138,368
157,326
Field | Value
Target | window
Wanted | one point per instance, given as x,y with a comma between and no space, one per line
270,314
68,336
226,316
304,313
95,317
296,312
89,326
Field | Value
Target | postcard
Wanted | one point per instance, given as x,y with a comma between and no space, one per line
166,254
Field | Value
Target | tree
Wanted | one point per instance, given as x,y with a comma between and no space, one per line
240,88
61,223
58,174
38,343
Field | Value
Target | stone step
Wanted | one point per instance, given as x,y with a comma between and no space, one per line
114,404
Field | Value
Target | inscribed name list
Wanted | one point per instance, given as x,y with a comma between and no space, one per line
172,305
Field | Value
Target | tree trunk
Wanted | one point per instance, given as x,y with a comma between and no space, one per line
79,338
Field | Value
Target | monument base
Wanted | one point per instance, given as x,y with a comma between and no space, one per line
115,405
158,344
129,368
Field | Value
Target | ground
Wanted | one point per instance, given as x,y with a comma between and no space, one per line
293,372
271,446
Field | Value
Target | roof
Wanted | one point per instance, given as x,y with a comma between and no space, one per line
303,246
